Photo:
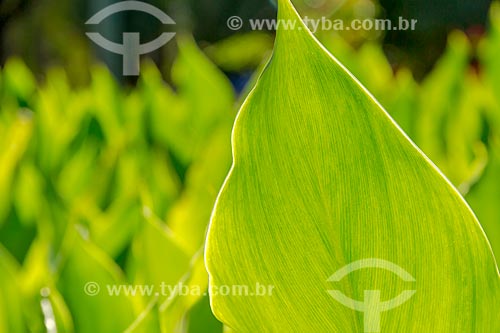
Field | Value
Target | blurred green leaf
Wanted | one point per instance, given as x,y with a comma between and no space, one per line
28,193
85,265
403,104
439,99
158,258
466,153
58,118
201,319
190,215
484,195
13,145
207,99
484,198
191,289
11,316
241,52
488,52
44,307
18,81
108,103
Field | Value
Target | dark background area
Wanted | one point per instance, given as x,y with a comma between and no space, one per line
47,33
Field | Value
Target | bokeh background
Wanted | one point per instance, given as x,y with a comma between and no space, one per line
112,179
47,33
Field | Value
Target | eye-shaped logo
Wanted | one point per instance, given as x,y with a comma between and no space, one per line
372,307
131,49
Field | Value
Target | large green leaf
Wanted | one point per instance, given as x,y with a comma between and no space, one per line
322,178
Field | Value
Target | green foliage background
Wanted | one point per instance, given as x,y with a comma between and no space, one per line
116,186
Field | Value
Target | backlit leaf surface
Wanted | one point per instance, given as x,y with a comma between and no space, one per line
322,177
